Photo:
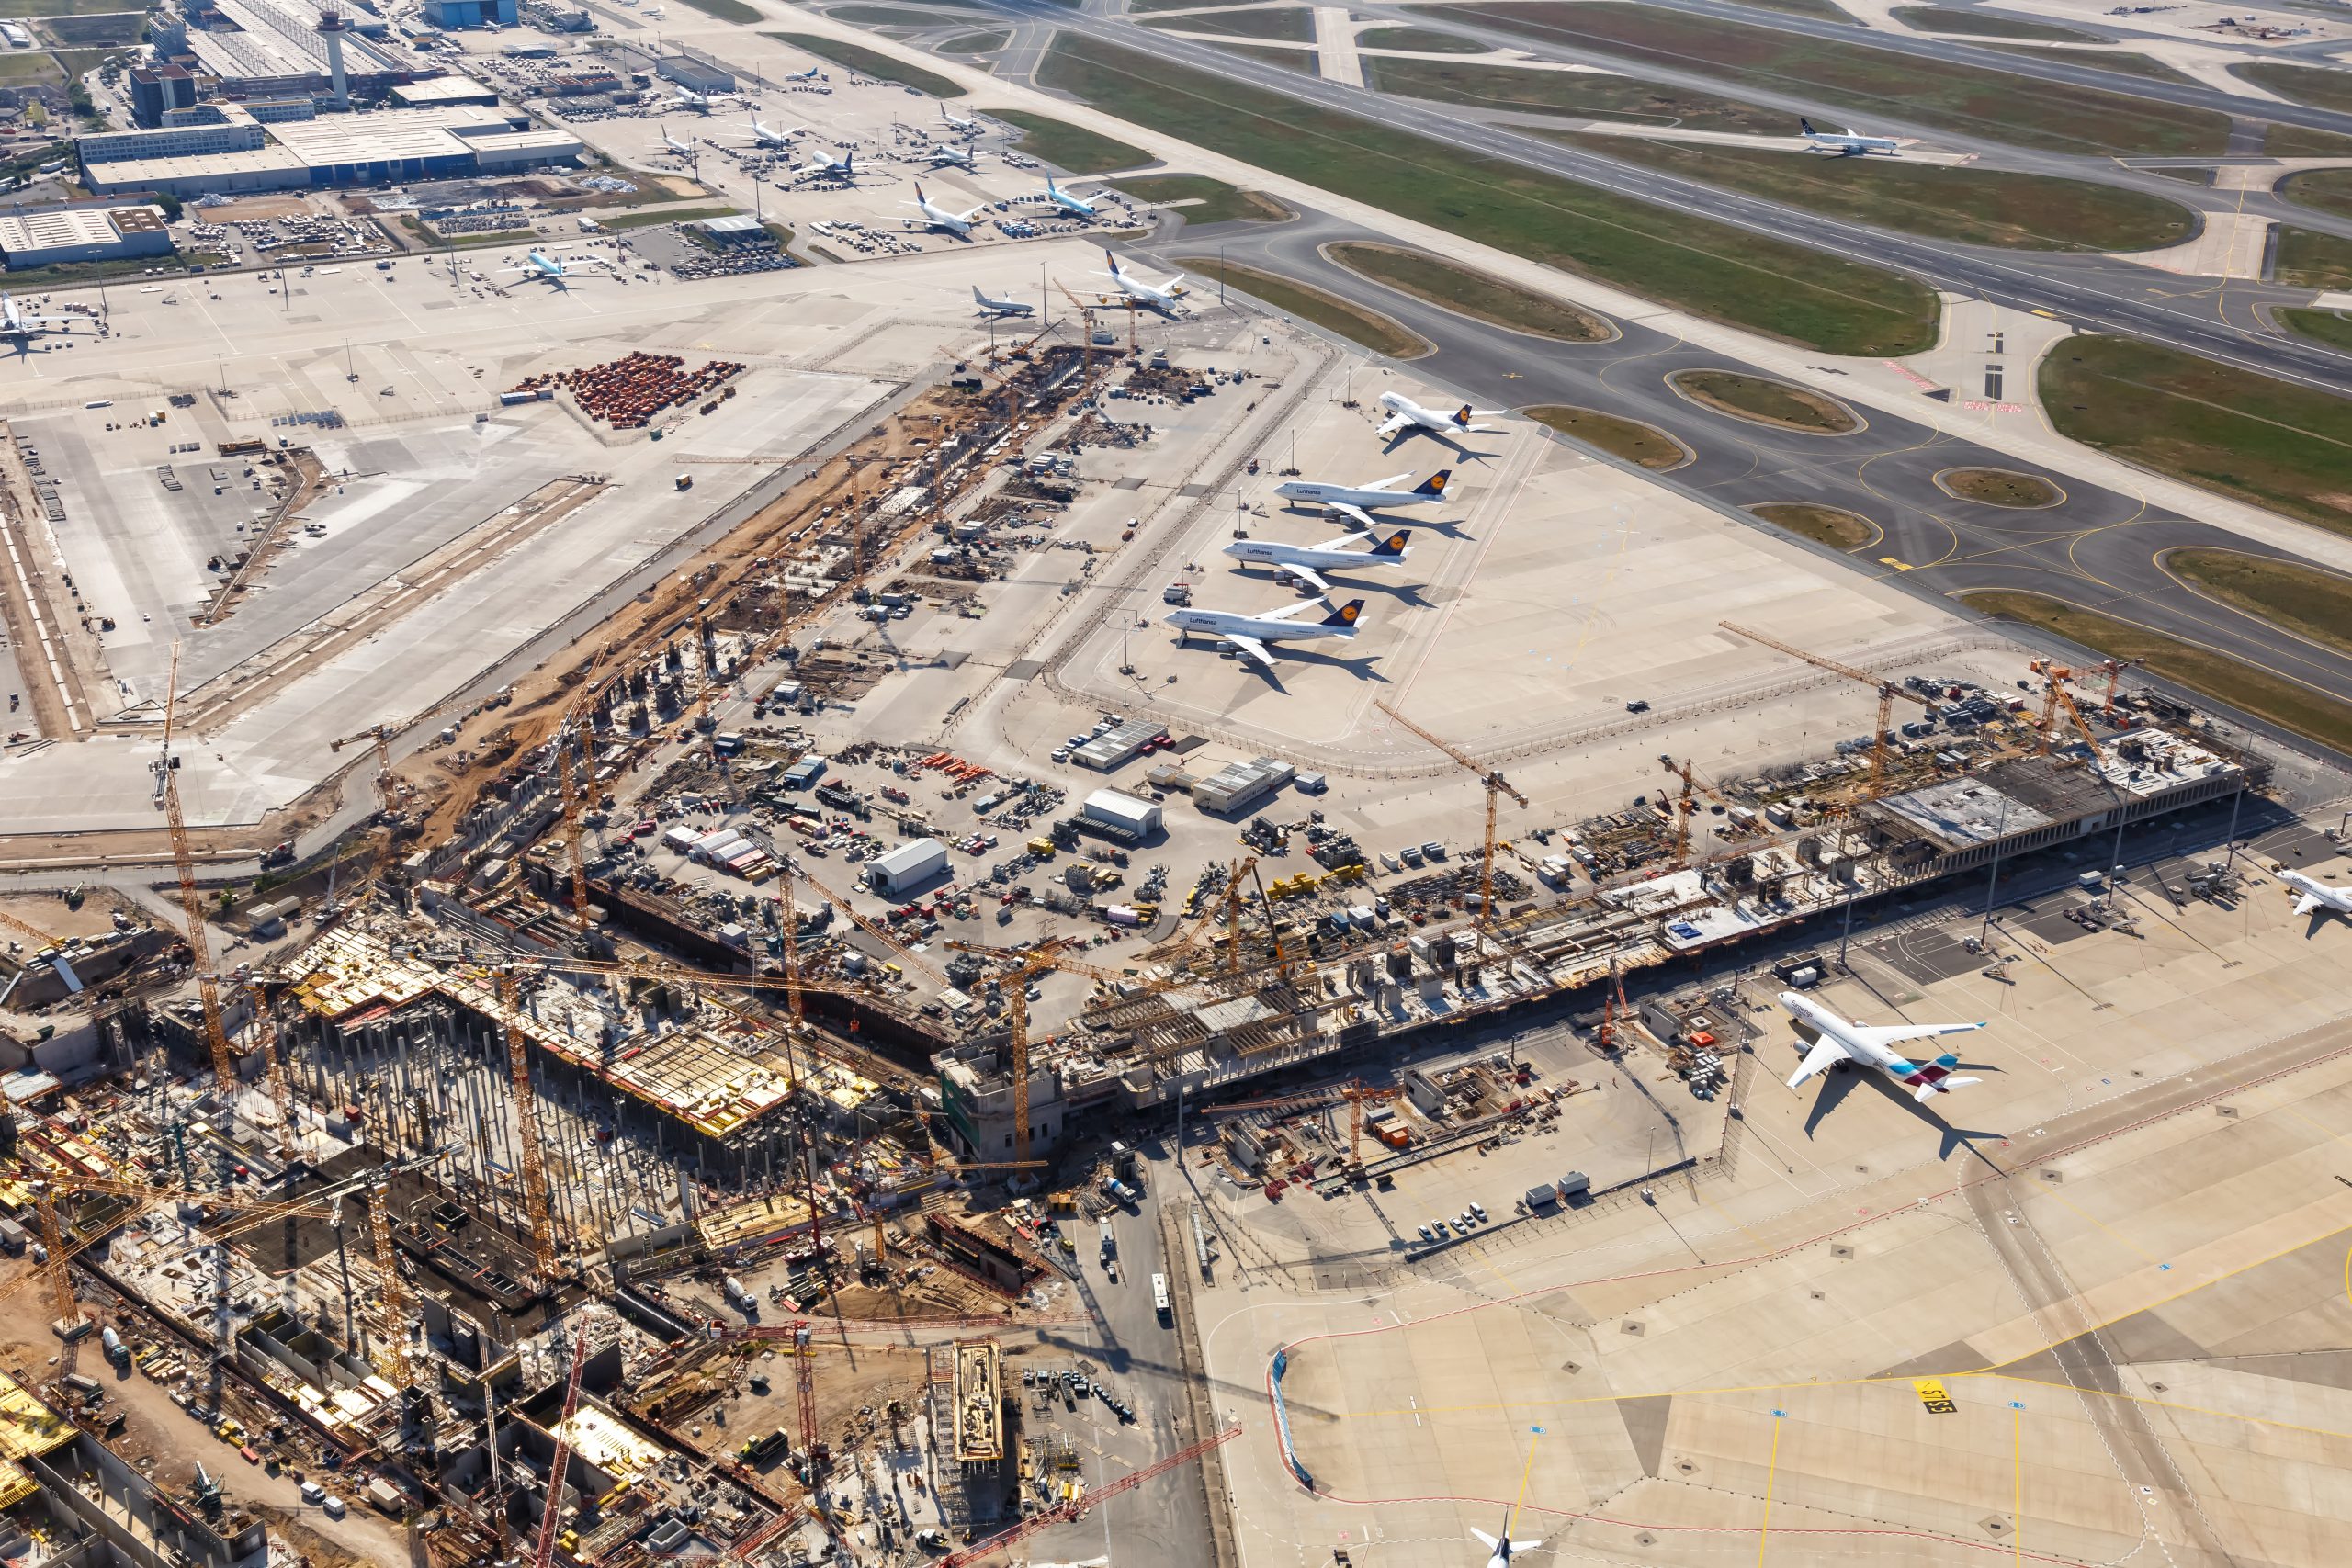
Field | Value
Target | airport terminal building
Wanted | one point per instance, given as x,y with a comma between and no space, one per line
236,152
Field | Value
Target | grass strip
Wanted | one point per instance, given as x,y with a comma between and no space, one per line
733,11
22,10
1473,293
1587,93
2328,190
2303,141
2305,258
1767,402
1983,206
1614,434
2288,703
1981,24
2121,62
655,220
2306,599
1831,525
1070,146
1710,269
975,43
2230,431
1420,40
2319,86
1852,76
1217,202
2333,328
894,17
2000,486
1287,23
870,62
1350,321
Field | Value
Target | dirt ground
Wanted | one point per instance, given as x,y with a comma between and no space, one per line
256,207
48,914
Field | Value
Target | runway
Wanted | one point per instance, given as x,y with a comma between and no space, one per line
2088,291
2098,549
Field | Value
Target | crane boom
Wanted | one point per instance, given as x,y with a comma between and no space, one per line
561,1460
1887,692
1078,1505
199,949
1495,785
535,1171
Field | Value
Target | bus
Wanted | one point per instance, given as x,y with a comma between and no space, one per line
1160,1297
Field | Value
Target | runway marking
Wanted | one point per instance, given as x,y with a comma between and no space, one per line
1898,565
1772,1471
2016,1487
1933,1398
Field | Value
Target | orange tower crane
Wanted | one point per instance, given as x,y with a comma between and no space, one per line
2054,698
392,1297
381,734
981,1550
1887,692
199,949
1495,785
535,1171
551,1513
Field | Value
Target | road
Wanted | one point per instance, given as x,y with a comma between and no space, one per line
2097,548
2088,291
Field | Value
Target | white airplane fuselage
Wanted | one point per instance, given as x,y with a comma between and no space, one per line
1315,558
1865,1045
1259,629
2314,895
1314,493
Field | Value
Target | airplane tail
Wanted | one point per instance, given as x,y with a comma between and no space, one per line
1112,260
1394,545
1346,614
1465,415
978,298
1808,126
1435,484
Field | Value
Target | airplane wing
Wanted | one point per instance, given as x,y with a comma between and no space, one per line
1287,611
1391,482
1824,1054
1896,1034
2308,902
1357,513
1311,578
1395,423
1250,649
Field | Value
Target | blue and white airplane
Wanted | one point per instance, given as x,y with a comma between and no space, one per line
808,75
19,326
941,157
775,140
677,149
559,270
957,223
1248,634
990,306
1308,562
1840,1041
1502,1546
961,127
836,171
1405,414
1848,143
1076,206
1161,297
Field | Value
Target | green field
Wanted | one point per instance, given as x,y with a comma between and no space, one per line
2331,327
2306,599
2000,486
1790,291
2121,62
2301,141
733,11
2285,703
2187,175
29,67
1219,202
2305,258
975,43
1767,401
108,30
22,10
2266,441
1421,40
1301,60
1584,93
1820,8
2321,87
1614,434
2328,190
1353,321
1867,82
1984,206
1070,146
1980,24
870,62
1831,525
1473,293
1288,24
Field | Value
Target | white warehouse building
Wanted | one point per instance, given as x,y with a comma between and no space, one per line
911,866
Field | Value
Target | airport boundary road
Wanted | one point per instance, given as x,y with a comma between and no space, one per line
2088,300
1174,1252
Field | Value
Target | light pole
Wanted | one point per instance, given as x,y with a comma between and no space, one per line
2000,833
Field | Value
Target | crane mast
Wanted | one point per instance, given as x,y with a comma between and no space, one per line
1496,784
550,1515
199,949
534,1173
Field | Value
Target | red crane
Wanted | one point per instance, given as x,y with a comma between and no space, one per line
548,1515
804,1376
1078,1505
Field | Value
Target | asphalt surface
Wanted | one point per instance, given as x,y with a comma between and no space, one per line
2097,548
2091,291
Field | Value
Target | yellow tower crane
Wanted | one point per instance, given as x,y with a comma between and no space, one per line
199,949
1887,694
535,1170
1495,785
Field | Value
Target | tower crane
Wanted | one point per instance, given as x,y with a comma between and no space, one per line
550,1514
2054,697
535,1170
392,1297
981,1550
381,734
33,934
1686,805
167,785
1026,966
2113,669
1887,692
1495,785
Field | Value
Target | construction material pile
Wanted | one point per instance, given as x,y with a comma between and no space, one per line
627,393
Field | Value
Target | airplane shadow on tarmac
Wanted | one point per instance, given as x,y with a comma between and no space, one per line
1361,666
1838,1083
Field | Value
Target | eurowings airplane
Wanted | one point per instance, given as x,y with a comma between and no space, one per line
557,269
1404,414
808,75
1308,562
1001,307
1077,205
957,223
1248,634
2316,895
17,325
1842,1040
1502,1546
1159,296
1848,143
1358,502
